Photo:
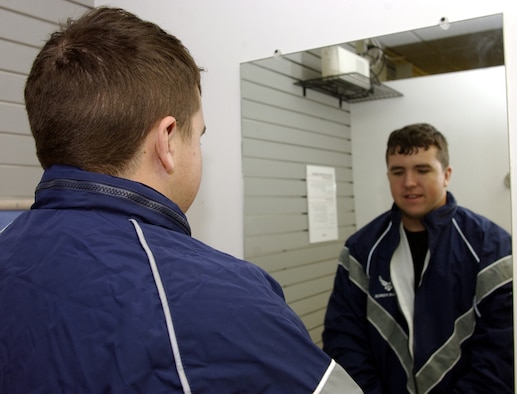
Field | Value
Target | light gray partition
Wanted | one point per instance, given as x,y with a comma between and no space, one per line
24,26
283,131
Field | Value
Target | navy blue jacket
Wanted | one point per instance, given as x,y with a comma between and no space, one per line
461,336
103,290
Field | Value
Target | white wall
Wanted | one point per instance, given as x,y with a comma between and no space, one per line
223,33
470,109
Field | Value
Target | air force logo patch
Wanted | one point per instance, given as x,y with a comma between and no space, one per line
387,285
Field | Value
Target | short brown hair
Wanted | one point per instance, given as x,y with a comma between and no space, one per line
409,139
101,83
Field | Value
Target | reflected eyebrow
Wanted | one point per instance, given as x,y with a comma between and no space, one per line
396,168
418,167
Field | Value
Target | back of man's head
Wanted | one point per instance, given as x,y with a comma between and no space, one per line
407,141
101,83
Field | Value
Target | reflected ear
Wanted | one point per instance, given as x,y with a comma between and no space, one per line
447,175
166,129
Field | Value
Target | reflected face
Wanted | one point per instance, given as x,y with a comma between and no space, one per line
418,184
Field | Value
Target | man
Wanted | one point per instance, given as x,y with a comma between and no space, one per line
102,288
422,300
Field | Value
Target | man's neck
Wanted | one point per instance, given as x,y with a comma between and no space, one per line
412,224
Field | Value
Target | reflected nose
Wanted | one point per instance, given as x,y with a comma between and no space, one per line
409,179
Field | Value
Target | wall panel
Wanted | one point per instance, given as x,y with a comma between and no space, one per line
24,27
283,131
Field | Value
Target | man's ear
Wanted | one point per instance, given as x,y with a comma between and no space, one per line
166,129
447,176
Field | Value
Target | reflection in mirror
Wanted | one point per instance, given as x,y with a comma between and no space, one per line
449,75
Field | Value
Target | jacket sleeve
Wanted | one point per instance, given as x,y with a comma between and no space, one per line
345,336
492,342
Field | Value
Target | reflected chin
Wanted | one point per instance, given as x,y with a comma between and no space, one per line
412,212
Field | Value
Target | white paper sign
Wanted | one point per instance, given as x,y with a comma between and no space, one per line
322,203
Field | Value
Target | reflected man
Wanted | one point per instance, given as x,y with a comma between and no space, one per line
422,299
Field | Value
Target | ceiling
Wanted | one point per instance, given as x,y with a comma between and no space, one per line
445,47
442,48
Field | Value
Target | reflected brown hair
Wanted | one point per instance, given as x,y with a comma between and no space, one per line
407,141
101,83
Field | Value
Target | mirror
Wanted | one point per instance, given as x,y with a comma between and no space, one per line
451,75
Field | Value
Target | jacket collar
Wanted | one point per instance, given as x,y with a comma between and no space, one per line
65,187
443,215
434,219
